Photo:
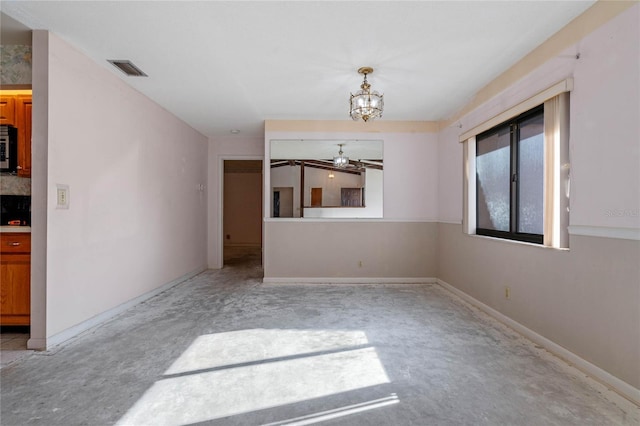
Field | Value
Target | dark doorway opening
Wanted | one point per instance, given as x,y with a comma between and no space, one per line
242,215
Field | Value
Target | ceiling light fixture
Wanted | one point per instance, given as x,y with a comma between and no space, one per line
341,160
331,175
365,104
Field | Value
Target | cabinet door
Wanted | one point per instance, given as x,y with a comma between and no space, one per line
15,289
8,110
23,118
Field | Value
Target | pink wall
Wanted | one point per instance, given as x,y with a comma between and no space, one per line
135,175
605,134
605,154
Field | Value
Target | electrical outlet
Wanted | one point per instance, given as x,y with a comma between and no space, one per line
62,196
507,292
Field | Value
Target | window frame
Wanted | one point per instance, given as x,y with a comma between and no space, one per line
513,126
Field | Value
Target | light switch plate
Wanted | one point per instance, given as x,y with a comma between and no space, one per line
62,196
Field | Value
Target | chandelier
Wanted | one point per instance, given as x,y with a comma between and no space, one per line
341,161
365,104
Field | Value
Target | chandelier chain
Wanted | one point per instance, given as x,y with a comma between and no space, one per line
365,104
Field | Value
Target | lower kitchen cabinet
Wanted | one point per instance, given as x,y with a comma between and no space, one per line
15,278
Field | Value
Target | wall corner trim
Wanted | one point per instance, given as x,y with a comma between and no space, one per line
450,221
605,232
76,330
350,126
621,387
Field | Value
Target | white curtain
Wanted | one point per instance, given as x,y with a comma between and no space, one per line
556,171
469,186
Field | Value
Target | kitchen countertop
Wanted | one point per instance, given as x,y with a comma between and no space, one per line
7,229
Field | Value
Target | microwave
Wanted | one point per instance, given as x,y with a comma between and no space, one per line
8,149
15,210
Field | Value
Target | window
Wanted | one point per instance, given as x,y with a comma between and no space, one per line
517,171
510,179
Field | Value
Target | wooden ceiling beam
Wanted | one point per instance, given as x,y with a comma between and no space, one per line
328,165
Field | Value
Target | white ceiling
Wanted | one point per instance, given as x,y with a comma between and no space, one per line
231,65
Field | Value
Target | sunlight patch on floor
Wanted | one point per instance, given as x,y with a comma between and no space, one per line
232,373
244,346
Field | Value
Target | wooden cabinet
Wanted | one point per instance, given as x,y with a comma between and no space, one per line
23,123
8,110
15,278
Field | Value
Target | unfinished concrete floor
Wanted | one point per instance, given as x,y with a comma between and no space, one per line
222,348
13,345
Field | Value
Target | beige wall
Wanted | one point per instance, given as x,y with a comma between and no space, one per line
586,299
327,249
401,245
243,209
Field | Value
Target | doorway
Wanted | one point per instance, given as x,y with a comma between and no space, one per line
352,197
282,202
242,214
316,197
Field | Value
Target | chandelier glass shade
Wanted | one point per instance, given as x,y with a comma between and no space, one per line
341,161
366,104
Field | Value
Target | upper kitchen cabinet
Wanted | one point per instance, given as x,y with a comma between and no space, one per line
23,123
8,110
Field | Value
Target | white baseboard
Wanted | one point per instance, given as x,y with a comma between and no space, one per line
101,318
351,219
619,386
348,280
37,344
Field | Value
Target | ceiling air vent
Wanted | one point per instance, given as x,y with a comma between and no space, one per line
127,67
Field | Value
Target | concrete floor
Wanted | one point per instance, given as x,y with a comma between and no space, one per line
222,348
13,345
